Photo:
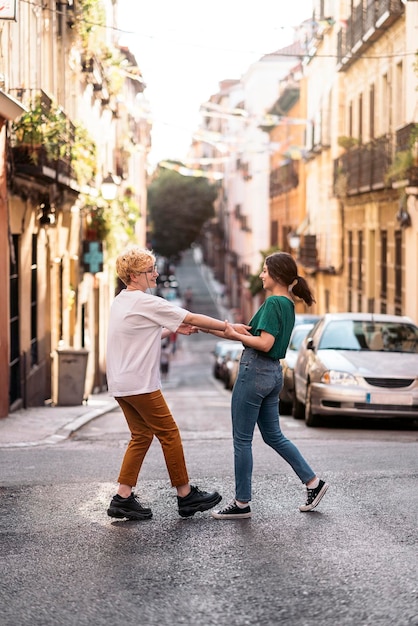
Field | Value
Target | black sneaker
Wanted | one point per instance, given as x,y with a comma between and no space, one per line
314,496
197,500
131,508
232,511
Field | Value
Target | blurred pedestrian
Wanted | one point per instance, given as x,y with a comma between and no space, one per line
165,360
255,396
173,342
138,322
188,297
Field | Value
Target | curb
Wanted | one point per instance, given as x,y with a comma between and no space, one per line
64,432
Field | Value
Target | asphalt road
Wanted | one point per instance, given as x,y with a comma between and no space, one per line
353,561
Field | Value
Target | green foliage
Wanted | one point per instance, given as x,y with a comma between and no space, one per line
113,222
90,20
178,208
46,126
347,142
254,280
404,160
400,166
83,156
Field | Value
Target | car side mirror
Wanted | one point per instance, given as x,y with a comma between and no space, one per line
310,344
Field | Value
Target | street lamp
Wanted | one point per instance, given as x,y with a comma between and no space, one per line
109,187
294,241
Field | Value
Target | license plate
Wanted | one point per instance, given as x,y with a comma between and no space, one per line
389,398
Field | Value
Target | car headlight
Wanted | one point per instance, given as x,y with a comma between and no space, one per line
333,377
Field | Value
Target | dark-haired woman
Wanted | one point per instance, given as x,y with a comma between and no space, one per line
255,396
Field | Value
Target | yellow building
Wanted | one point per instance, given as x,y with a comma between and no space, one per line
80,129
360,191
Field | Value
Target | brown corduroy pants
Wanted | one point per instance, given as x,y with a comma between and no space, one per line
147,415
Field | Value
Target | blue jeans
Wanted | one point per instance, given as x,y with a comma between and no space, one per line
255,400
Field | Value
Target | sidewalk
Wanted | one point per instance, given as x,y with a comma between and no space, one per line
51,424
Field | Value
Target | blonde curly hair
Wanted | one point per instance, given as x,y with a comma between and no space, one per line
133,260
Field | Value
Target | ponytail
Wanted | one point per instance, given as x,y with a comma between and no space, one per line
300,289
282,268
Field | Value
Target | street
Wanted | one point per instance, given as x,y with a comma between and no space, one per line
353,561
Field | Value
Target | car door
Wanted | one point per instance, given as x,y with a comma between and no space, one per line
304,361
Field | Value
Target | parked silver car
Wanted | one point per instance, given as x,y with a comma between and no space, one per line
288,365
360,365
220,351
231,365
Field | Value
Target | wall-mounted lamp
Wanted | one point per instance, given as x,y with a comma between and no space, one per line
46,215
294,240
109,187
402,215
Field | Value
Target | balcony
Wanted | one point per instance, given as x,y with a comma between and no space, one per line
365,166
378,164
308,253
41,139
283,179
367,22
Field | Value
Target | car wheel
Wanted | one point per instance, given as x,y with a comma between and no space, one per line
285,408
310,418
298,410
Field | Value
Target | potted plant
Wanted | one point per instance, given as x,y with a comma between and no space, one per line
347,142
43,127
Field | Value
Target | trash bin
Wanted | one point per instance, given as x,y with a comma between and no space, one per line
71,376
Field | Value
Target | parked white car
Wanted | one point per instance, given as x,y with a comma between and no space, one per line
361,365
288,365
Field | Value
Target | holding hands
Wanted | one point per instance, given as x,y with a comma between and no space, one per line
241,329
187,329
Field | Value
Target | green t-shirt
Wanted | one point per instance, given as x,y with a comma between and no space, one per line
276,316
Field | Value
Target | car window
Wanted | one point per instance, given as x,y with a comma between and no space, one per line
369,336
391,337
297,337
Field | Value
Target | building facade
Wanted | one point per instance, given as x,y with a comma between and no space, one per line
340,190
80,128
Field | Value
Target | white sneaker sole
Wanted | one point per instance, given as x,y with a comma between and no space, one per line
305,508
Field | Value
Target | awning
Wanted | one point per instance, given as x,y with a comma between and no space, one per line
10,108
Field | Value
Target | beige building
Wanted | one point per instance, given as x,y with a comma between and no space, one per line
348,208
82,128
361,203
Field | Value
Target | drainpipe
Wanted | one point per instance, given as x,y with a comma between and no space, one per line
4,279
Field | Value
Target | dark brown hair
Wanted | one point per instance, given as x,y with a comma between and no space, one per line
283,269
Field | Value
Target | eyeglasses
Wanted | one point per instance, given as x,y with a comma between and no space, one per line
152,270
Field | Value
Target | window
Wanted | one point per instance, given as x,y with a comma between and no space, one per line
274,233
350,258
371,112
350,119
34,304
360,261
398,272
399,99
385,104
14,365
383,266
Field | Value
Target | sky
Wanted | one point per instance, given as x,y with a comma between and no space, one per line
184,48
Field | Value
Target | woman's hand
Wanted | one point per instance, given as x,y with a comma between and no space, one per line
186,329
230,332
242,329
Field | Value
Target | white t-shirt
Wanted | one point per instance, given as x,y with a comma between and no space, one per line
134,341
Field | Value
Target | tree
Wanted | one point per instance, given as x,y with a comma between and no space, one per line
178,207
